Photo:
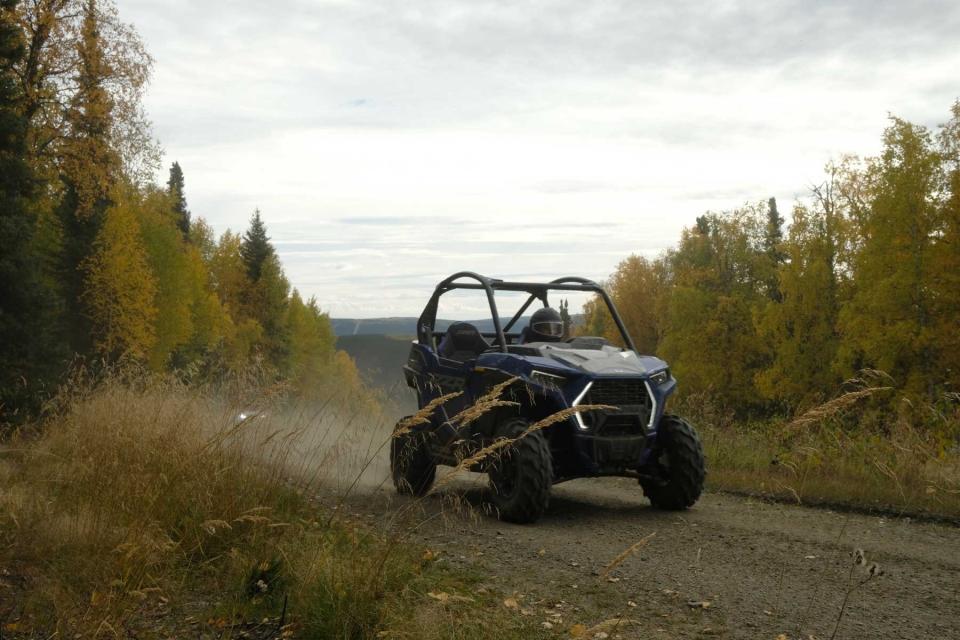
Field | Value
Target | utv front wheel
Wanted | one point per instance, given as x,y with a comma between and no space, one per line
521,477
679,468
411,463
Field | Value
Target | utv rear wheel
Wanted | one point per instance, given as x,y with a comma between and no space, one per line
521,477
411,463
679,466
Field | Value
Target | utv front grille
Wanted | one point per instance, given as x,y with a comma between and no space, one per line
628,391
632,402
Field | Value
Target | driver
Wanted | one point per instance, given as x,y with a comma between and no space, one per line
546,325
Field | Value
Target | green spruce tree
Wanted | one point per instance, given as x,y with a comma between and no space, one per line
175,187
565,316
27,341
256,248
773,249
265,298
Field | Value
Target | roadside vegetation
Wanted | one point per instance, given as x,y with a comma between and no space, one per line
847,453
146,508
820,359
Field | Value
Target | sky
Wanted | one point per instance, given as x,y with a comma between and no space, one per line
389,144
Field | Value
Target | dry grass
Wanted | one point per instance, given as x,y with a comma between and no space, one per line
626,553
866,448
144,508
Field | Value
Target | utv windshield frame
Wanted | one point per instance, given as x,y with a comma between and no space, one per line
537,291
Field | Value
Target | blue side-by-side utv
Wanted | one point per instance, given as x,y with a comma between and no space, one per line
635,438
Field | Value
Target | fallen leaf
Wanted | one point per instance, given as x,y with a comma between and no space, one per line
511,603
546,625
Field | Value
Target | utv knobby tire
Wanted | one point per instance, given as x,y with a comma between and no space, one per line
521,477
684,473
411,464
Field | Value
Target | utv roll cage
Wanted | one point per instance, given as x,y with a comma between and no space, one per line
537,291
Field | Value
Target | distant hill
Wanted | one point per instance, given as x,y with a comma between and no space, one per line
404,326
380,360
407,326
374,326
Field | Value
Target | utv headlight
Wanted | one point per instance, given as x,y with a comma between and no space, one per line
660,377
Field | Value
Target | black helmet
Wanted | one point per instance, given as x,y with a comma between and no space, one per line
546,325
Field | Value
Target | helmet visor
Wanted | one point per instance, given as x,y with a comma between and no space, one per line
550,328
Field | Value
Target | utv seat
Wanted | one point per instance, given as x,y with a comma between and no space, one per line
462,342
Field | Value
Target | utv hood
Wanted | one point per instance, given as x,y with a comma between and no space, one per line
605,361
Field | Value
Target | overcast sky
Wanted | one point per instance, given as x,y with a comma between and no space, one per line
389,144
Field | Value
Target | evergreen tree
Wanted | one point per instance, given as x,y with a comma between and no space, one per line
256,248
265,298
565,316
28,342
175,187
772,241
773,235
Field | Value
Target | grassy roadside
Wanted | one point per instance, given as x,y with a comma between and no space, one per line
145,510
851,451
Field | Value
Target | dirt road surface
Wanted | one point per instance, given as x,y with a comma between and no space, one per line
731,567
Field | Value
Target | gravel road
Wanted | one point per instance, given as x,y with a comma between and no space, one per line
731,567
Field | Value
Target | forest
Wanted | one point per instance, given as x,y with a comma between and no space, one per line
99,264
768,319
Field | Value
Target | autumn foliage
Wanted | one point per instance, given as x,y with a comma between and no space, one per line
767,320
101,264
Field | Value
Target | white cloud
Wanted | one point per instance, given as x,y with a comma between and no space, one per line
405,141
